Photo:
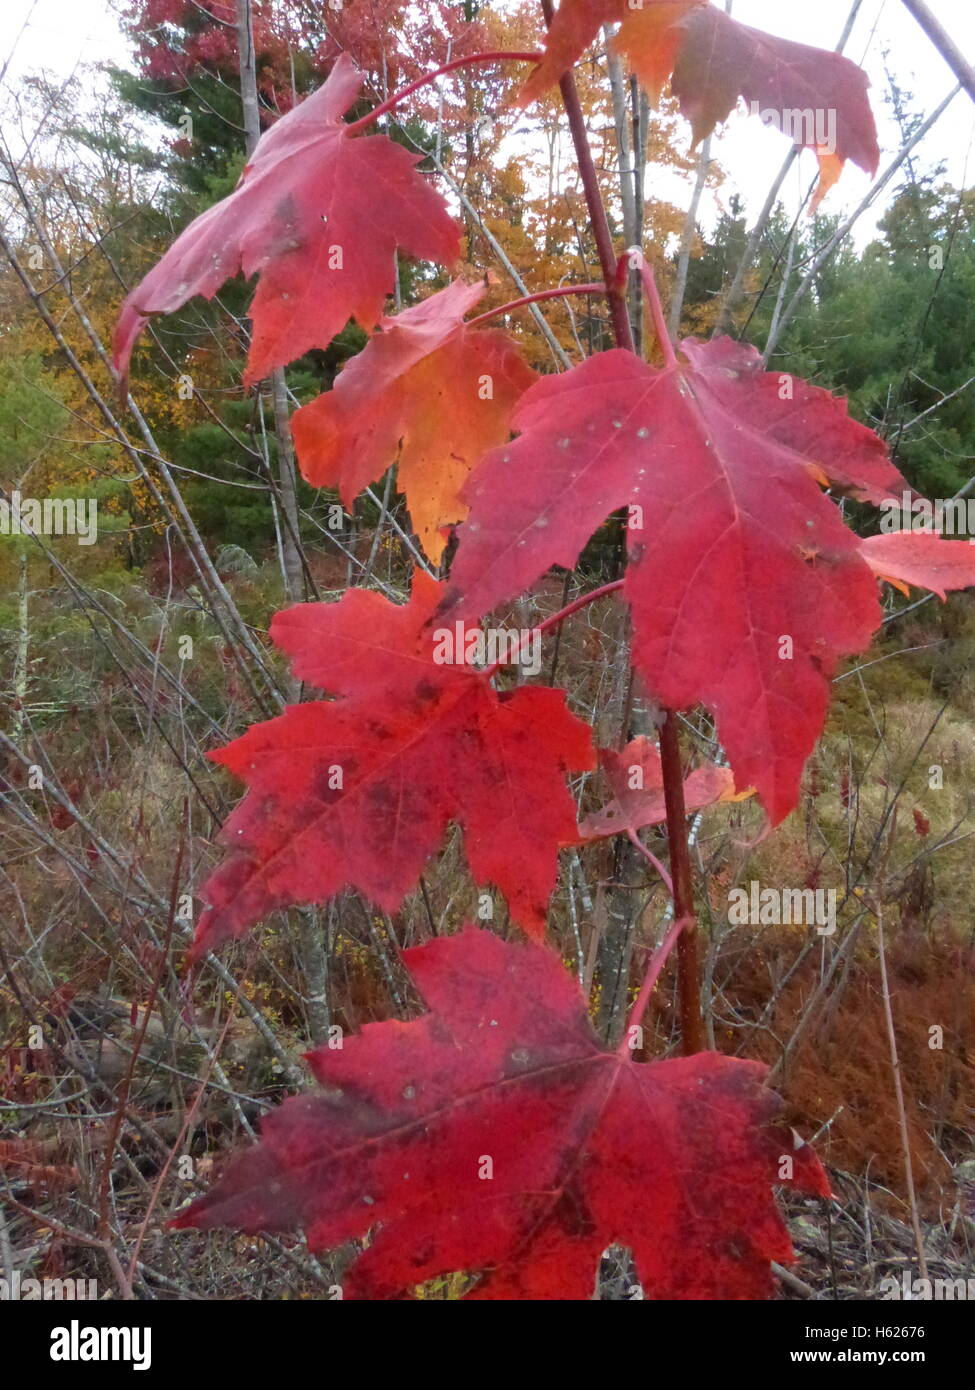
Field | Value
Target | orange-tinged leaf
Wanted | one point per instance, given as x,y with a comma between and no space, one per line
721,60
921,558
441,392
675,1159
652,38
578,22
636,777
830,169
358,791
713,60
318,214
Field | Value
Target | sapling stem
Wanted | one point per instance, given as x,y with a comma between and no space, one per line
634,257
596,287
651,859
498,56
692,1032
597,213
557,618
657,962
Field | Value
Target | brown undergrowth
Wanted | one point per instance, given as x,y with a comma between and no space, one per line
840,1074
82,947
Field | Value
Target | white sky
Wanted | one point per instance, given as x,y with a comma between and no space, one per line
58,35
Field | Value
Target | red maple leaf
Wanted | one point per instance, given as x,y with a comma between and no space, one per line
357,792
494,1136
318,213
920,558
636,776
712,60
744,583
428,383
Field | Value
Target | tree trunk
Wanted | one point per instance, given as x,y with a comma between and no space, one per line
287,486
310,930
21,654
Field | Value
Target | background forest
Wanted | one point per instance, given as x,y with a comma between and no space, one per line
123,663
